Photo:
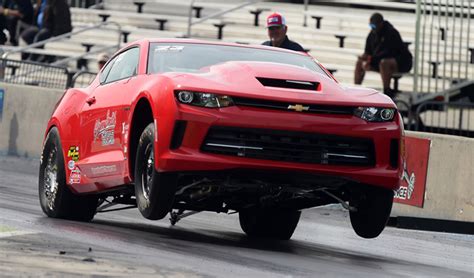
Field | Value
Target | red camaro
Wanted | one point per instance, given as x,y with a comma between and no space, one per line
183,125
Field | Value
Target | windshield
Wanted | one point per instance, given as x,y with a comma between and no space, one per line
189,57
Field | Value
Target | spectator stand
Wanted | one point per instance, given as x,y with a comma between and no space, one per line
174,19
24,71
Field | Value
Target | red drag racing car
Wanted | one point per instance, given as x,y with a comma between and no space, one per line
184,125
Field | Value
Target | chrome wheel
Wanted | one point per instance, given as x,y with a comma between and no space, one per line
147,175
51,179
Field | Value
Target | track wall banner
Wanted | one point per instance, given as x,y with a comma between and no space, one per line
413,182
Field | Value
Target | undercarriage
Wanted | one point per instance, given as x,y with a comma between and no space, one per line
233,191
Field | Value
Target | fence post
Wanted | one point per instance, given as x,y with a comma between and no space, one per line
3,65
461,111
417,45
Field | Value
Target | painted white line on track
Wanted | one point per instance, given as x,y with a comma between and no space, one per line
15,233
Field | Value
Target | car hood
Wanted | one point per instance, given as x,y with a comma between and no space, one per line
243,79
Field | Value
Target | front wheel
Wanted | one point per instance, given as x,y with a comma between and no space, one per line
269,223
56,198
154,191
373,211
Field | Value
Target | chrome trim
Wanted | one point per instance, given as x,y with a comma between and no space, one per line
300,82
233,146
347,155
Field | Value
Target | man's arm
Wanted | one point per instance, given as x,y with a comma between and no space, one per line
393,43
368,51
9,12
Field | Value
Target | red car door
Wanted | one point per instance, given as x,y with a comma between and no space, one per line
103,123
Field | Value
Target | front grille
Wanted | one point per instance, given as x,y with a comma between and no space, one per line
289,146
279,105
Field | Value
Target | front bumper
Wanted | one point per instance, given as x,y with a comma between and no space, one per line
188,156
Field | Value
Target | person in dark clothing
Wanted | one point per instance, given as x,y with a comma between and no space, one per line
276,26
53,19
11,12
384,52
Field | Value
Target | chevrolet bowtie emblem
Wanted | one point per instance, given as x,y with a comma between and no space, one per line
298,107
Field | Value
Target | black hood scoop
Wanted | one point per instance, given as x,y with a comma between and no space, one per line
289,84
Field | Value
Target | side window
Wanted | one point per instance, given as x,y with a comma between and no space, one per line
106,71
122,66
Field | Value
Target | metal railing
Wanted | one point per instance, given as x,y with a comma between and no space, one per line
82,79
44,75
453,118
442,40
66,60
33,70
35,74
83,3
66,36
192,22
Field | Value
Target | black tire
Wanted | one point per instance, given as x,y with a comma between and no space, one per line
154,191
56,198
269,223
373,211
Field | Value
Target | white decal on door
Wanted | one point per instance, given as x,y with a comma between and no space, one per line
105,129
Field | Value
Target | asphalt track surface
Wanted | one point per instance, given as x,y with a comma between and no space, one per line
207,244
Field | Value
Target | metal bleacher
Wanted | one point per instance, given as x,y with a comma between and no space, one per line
333,33
239,27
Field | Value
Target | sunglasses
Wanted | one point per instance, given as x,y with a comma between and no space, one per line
278,27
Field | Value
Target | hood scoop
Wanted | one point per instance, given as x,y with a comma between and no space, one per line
289,84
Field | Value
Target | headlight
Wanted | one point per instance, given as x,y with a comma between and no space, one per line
375,114
203,99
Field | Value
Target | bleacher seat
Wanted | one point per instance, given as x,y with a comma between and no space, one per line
333,26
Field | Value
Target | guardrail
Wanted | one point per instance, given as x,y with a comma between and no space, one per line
453,118
82,79
33,73
43,75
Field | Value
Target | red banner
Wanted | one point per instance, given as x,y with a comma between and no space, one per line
412,188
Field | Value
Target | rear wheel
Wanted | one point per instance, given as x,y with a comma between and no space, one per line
56,198
154,191
269,223
373,211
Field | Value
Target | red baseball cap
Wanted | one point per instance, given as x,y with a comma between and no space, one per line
275,19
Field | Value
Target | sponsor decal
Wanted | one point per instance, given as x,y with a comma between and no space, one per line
71,164
103,170
125,138
73,153
169,48
104,130
413,180
75,176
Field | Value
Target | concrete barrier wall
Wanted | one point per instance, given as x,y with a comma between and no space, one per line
449,191
26,111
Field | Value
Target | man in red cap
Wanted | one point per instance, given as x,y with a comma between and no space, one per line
276,26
